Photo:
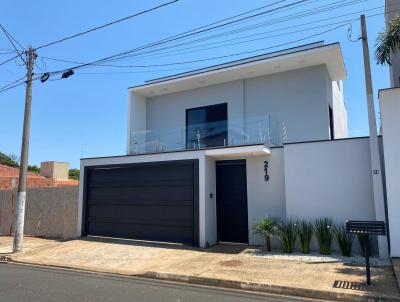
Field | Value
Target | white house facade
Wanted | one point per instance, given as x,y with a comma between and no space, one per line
212,151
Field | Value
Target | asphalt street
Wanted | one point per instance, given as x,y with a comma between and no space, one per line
31,283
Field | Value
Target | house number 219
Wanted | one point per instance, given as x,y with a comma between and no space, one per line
266,176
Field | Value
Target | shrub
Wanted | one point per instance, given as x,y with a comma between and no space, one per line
371,240
305,231
287,234
266,228
323,232
344,240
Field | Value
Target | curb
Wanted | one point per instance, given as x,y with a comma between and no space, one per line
269,288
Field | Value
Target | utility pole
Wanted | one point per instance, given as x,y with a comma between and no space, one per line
377,183
20,205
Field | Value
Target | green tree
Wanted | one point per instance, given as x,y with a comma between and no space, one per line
388,42
34,169
74,174
266,228
9,160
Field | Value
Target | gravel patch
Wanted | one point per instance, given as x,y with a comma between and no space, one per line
315,257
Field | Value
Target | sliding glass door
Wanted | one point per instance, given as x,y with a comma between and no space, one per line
207,126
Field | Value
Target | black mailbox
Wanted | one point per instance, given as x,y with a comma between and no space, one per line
366,228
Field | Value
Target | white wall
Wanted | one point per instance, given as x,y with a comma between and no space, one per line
390,112
298,98
136,117
329,179
169,111
339,111
210,203
265,198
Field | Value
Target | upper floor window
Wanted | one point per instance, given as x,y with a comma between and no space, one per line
331,124
207,126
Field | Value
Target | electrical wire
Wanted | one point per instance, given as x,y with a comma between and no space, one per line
241,42
180,36
13,84
223,34
251,51
99,62
275,21
11,39
106,25
10,59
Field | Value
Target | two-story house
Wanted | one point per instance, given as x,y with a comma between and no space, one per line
206,149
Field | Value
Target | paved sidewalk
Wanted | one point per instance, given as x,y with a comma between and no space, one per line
220,265
396,268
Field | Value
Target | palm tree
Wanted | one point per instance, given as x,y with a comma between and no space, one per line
388,42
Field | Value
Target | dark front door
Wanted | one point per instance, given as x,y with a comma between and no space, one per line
232,201
149,201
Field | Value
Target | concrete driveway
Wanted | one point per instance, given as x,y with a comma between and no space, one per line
228,263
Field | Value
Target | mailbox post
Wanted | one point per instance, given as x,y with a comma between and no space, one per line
366,228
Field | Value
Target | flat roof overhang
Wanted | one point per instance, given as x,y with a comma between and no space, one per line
237,152
300,57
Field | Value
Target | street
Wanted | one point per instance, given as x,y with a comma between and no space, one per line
28,283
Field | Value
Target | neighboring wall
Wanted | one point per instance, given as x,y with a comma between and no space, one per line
329,179
50,212
390,112
392,9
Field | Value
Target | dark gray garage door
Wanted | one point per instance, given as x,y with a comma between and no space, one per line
152,201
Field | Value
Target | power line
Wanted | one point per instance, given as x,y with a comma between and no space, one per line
98,62
258,50
11,36
11,87
275,21
11,39
174,52
106,25
7,87
179,36
10,59
213,58
345,22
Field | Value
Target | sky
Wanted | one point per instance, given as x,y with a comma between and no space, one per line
86,114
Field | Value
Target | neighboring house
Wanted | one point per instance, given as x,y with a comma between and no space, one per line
9,179
210,152
392,9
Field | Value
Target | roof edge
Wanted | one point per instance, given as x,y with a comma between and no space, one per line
240,62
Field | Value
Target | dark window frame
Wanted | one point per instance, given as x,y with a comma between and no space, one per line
331,124
203,107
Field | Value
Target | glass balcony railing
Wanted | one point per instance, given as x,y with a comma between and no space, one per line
254,130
